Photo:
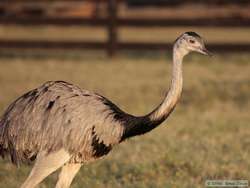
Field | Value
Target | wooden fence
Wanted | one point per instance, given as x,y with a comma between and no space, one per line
111,23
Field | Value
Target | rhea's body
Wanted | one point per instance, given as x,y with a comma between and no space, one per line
49,118
60,125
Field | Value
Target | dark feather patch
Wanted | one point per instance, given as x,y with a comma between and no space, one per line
119,115
29,94
2,151
99,147
13,154
141,125
193,34
133,125
45,89
50,105
85,95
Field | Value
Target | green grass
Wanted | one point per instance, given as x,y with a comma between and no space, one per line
206,137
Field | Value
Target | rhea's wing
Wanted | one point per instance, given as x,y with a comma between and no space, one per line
56,115
24,125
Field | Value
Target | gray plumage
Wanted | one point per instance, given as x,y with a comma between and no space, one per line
61,125
52,116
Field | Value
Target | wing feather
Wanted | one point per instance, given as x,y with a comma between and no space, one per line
55,115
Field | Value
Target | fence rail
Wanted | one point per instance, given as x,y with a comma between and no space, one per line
128,22
13,44
112,22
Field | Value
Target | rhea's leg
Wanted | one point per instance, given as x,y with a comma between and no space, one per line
45,164
67,174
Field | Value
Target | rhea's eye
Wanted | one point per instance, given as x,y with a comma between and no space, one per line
191,41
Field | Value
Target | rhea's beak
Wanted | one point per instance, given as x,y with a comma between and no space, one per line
204,51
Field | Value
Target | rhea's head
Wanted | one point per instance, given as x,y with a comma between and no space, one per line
190,42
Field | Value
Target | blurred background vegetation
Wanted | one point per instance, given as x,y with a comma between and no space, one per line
206,137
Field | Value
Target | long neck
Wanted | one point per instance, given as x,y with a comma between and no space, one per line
140,125
166,107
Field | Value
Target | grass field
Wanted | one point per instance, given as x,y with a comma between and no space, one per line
206,137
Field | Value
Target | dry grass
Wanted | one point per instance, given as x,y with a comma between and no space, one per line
206,137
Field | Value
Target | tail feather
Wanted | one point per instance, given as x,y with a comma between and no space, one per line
1,140
7,148
1,150
13,154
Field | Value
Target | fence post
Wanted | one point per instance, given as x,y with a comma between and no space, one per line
112,28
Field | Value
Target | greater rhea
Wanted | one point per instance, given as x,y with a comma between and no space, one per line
60,125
